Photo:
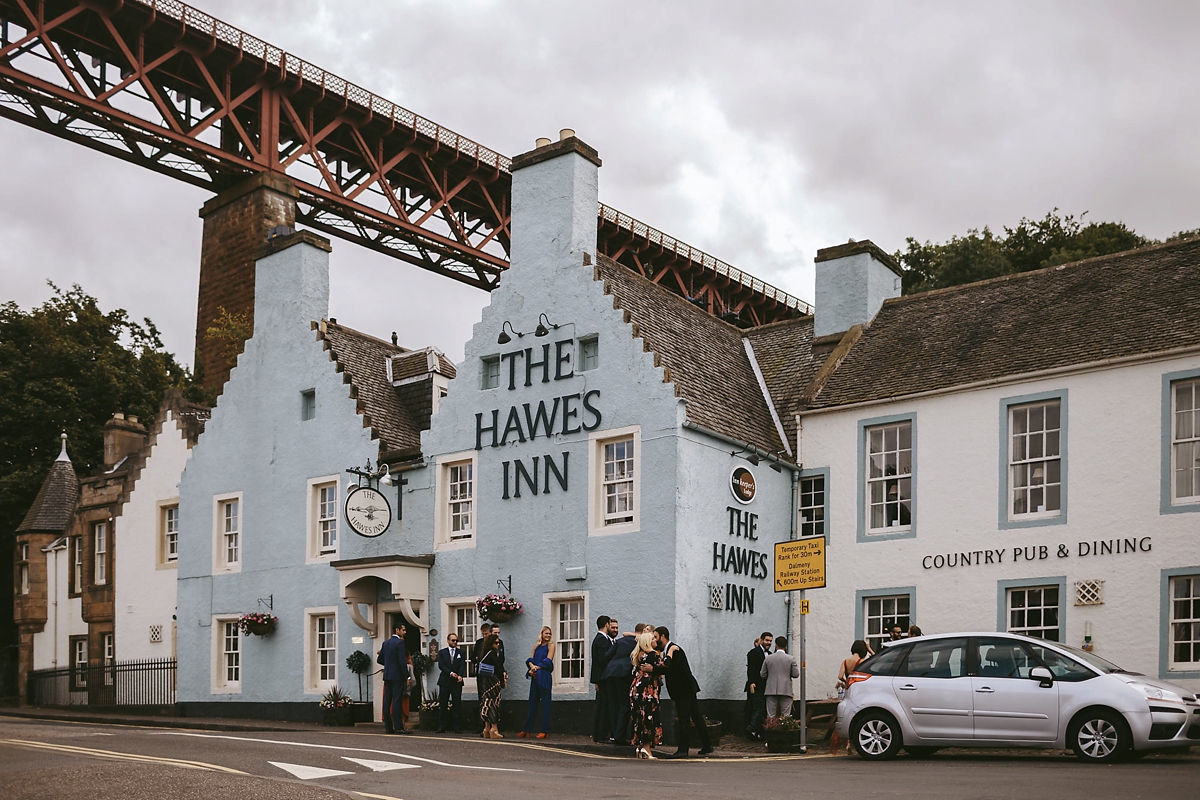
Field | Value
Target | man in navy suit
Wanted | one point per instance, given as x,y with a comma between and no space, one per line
618,675
394,658
606,630
453,666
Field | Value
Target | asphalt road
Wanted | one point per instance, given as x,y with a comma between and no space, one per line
41,759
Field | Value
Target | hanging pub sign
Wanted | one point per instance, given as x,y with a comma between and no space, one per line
367,512
741,483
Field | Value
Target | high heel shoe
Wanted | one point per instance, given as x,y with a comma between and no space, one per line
496,734
522,735
640,754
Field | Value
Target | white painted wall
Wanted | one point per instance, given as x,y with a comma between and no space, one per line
145,585
64,615
1114,446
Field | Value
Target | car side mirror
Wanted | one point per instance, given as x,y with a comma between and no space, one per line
1043,676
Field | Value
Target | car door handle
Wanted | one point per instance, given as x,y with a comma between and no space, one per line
985,690
908,687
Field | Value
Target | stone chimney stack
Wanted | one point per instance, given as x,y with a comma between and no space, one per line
555,197
122,437
853,280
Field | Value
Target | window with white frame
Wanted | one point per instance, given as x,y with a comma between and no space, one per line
109,656
881,614
455,521
228,675
812,506
464,620
324,639
570,633
23,557
76,586
614,476
889,477
1033,611
617,481
1185,622
323,517
1035,462
589,353
491,372
100,567
170,534
79,662
227,512
1185,441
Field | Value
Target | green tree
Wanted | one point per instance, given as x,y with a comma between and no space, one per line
68,366
1032,244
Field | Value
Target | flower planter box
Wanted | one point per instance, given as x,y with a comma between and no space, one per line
338,717
363,712
782,741
428,720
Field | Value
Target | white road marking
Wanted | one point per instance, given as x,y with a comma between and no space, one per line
306,773
332,747
380,766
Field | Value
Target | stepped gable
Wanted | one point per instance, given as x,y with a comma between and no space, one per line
701,355
362,360
55,503
1127,304
784,351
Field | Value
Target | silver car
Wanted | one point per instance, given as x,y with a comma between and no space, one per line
1006,690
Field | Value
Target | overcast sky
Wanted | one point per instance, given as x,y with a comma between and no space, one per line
758,132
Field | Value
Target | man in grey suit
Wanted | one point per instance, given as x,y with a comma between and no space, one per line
779,668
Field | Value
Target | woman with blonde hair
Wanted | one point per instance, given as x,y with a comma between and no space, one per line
540,673
643,694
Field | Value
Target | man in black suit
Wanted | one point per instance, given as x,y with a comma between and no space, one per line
453,666
756,683
619,677
394,658
600,645
683,688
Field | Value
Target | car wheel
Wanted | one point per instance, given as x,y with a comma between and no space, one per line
876,736
920,752
1099,735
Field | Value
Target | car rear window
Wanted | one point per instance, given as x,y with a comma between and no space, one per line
884,663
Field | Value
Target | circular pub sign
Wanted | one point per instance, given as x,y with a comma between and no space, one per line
368,512
741,483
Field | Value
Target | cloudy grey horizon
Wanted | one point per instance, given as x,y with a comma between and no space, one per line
757,132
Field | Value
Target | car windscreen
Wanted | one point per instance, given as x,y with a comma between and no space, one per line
885,662
1104,665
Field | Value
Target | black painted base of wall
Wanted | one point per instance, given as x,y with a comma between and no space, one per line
573,717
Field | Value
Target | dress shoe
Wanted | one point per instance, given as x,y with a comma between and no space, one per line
522,735
704,751
540,736
676,754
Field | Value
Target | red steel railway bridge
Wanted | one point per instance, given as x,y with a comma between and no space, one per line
281,141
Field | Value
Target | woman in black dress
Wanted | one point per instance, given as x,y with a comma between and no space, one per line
643,695
491,683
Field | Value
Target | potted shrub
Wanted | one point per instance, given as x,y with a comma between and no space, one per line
428,713
497,607
713,727
257,623
337,708
360,663
782,734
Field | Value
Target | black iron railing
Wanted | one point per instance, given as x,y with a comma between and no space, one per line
122,683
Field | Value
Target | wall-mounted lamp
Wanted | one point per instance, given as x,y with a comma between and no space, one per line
383,474
541,329
504,338
749,455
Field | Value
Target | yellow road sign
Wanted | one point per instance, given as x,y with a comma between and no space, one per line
800,564
803,606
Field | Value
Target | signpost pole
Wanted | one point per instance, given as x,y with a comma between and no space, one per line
803,688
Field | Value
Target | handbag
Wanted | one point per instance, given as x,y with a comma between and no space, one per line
485,668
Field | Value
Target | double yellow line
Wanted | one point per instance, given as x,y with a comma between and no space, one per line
95,753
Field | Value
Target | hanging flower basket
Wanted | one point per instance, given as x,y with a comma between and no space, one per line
497,607
257,623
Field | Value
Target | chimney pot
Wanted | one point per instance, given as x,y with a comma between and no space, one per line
542,141
118,415
566,133
132,418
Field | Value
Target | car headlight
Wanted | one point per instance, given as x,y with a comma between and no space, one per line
1156,693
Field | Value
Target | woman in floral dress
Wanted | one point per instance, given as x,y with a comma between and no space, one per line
643,695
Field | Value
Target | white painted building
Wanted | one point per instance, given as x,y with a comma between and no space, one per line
1017,454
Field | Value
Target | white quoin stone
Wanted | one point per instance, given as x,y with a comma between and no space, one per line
555,196
853,280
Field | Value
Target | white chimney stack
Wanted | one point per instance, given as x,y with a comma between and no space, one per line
853,280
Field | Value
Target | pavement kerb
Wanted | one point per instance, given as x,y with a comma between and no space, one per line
589,749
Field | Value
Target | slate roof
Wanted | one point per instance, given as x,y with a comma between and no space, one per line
55,502
1138,302
703,357
418,362
784,351
362,359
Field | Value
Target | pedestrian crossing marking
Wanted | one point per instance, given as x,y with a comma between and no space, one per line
306,773
380,766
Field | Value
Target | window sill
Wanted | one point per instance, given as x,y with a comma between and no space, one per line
611,530
886,534
226,689
323,558
457,544
167,565
1034,521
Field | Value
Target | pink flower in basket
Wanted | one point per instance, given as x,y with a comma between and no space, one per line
492,606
